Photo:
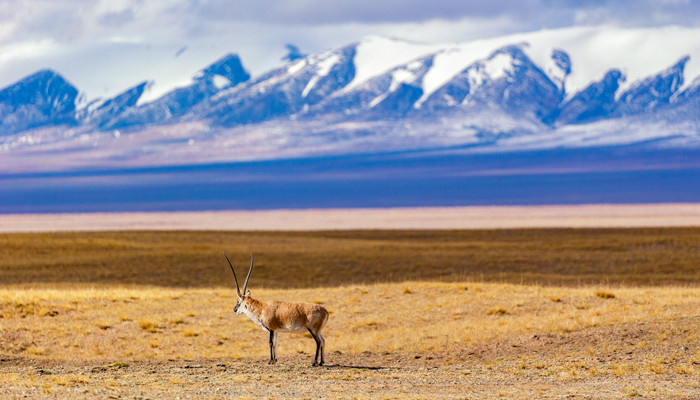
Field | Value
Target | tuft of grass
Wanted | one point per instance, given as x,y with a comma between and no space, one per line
103,325
148,326
497,311
48,313
604,295
35,350
683,369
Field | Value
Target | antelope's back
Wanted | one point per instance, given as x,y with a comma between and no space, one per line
296,316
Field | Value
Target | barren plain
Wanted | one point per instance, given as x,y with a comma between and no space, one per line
538,312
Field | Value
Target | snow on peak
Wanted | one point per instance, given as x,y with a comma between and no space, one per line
376,55
324,64
498,66
220,81
296,66
157,90
573,58
593,51
408,74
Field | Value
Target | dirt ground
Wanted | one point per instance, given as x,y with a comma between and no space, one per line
596,363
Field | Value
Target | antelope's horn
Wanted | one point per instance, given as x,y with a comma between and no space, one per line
238,289
245,285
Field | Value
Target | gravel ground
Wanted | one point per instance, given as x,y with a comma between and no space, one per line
592,364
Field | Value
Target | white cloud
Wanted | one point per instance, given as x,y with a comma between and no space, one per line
26,50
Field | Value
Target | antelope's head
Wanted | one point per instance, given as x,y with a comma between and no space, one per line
244,296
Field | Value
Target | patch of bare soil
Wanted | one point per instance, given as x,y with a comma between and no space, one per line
626,342
625,361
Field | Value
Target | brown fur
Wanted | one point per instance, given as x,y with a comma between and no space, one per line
279,315
275,316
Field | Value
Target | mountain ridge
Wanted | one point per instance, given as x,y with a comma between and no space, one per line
382,94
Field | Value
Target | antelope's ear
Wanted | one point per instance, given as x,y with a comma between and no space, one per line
247,293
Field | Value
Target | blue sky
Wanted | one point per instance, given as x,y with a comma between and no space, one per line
106,46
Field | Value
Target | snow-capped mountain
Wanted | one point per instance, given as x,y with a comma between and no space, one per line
285,91
44,97
224,73
558,88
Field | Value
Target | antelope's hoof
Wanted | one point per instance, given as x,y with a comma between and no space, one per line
271,362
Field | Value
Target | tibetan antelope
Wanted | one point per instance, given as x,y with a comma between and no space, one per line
276,316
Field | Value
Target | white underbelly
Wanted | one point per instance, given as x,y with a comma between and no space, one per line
293,328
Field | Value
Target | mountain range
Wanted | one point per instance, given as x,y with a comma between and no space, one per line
566,88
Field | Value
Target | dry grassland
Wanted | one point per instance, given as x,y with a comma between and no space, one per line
76,323
639,256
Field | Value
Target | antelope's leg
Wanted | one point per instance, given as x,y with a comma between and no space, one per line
273,350
274,340
318,347
323,348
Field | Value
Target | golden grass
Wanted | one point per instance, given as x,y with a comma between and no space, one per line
639,256
88,324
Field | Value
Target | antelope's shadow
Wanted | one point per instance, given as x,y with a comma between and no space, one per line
357,367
